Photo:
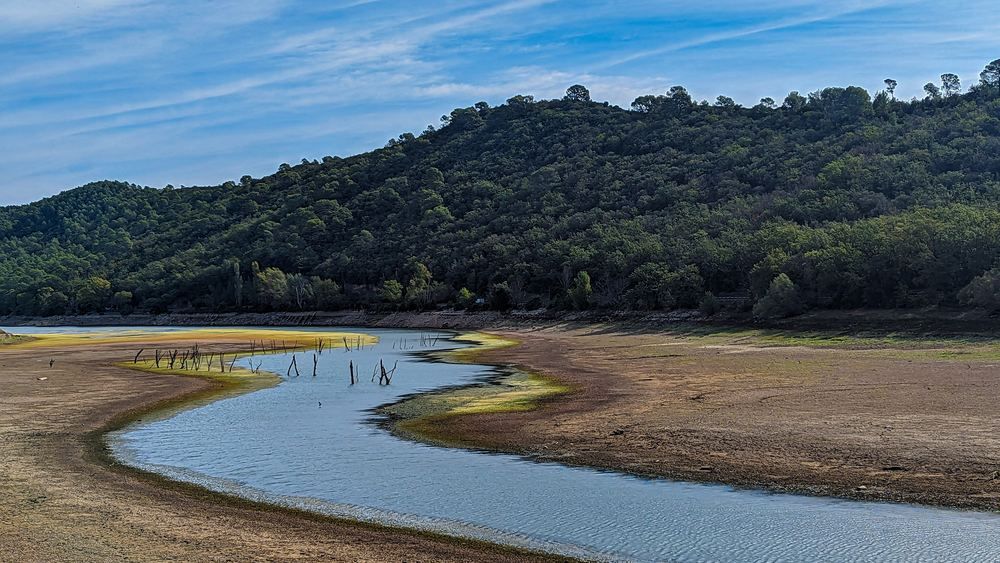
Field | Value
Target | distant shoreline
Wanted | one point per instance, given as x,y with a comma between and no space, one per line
916,321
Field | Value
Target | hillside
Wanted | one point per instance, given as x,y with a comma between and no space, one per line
858,201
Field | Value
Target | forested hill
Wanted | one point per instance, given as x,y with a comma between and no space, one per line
833,200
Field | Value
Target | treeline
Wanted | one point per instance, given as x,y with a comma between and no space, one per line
836,199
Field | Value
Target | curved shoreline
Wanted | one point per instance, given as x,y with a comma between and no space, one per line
152,495
432,419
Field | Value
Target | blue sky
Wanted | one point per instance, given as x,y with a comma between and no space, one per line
199,92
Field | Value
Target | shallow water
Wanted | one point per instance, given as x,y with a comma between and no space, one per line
280,444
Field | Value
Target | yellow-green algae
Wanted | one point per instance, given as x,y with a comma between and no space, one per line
283,338
425,416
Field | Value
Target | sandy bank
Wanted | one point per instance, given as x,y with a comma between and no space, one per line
887,418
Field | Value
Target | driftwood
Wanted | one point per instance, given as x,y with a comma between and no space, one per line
351,368
314,365
136,359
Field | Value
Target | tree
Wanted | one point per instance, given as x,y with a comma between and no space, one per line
890,86
122,302
418,282
581,290
391,291
990,76
932,91
645,104
794,101
686,286
950,84
520,100
51,301
649,287
272,287
782,300
501,298
92,294
725,102
237,282
577,93
983,291
300,290
709,304
465,298
326,294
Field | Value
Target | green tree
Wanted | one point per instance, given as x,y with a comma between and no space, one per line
649,287
327,294
418,281
890,86
581,290
577,93
983,291
709,304
782,300
122,302
465,298
272,287
501,298
51,301
391,291
300,290
92,294
990,76
951,84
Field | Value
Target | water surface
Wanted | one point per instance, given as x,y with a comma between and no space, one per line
312,442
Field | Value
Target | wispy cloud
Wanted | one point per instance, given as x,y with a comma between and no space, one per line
189,92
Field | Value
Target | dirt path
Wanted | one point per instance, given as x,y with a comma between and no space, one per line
919,425
60,502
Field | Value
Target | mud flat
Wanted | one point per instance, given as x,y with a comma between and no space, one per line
878,417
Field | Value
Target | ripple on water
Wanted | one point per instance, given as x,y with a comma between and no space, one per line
278,444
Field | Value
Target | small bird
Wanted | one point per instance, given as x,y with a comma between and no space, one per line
321,404
52,361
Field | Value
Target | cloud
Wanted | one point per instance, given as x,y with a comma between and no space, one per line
189,92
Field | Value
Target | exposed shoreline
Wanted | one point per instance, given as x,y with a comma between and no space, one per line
666,414
943,322
57,468
931,460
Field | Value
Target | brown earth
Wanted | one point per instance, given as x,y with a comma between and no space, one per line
61,499
909,421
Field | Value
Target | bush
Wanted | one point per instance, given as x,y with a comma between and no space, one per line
782,300
709,304
983,291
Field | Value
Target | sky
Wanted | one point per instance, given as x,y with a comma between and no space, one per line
198,92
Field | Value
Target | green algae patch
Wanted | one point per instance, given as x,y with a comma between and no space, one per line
8,339
269,339
425,417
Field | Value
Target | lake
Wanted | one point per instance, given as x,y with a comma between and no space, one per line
315,443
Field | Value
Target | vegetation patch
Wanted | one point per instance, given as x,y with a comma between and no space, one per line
265,339
425,416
